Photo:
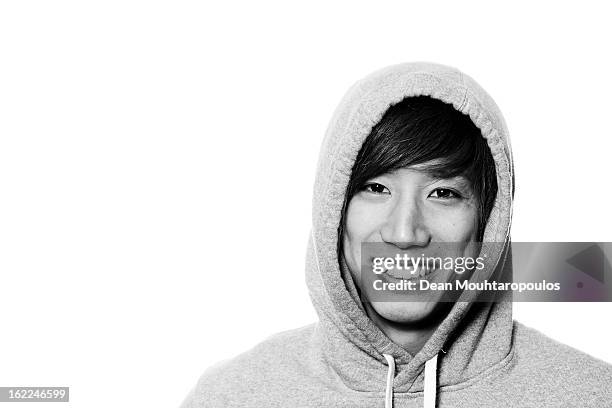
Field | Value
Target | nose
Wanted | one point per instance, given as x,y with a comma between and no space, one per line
405,226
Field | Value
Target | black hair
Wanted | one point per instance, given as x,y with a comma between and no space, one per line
420,129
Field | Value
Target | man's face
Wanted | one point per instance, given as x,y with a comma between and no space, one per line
410,211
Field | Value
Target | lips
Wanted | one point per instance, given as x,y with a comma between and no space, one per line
409,273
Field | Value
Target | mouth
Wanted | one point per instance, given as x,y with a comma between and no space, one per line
410,273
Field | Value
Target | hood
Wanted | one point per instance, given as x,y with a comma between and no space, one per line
475,335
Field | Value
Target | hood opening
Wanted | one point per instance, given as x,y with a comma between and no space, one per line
432,134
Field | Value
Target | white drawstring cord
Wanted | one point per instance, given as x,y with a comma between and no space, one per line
430,381
390,376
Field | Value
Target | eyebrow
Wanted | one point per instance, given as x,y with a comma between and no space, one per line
462,181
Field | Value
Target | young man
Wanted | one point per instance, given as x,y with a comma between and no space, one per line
416,154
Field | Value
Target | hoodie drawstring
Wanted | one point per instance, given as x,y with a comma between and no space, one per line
430,381
390,376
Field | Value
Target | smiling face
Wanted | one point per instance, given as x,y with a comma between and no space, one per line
423,182
410,211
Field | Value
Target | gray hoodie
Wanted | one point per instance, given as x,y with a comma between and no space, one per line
477,357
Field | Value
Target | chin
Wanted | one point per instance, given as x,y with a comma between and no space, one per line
405,312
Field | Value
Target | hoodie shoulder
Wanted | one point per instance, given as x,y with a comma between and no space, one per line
255,372
559,372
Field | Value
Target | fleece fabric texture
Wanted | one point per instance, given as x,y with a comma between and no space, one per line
484,358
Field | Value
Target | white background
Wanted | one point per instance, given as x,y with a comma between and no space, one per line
157,159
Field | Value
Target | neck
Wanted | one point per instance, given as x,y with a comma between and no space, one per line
411,336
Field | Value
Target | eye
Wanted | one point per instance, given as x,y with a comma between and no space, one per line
445,193
375,188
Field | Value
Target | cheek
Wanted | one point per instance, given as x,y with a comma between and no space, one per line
454,225
361,225
362,222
